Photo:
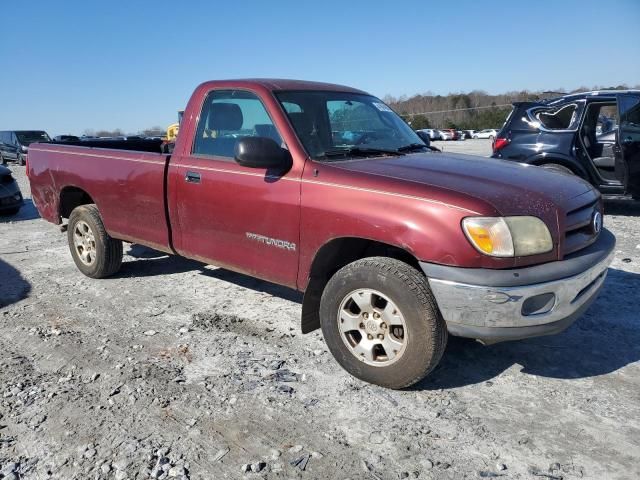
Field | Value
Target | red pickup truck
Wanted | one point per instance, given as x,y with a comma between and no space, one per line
323,188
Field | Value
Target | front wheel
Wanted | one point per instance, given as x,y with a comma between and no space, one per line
20,159
94,252
381,322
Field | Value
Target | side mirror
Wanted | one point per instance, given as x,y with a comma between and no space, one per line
262,152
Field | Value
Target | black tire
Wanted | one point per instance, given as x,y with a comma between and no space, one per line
426,335
556,167
10,212
2,160
20,159
107,251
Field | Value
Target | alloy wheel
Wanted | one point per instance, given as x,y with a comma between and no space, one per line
372,327
84,242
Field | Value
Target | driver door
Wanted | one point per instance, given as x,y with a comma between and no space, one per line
627,152
245,219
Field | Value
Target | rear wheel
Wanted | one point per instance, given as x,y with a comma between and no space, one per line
557,168
381,322
94,252
11,212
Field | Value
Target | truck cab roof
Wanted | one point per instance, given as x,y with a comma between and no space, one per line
280,84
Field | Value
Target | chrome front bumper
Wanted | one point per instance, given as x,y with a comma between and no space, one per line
496,313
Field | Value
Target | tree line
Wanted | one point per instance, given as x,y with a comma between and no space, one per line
475,110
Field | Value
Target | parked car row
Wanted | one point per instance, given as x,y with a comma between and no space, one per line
452,134
14,144
489,133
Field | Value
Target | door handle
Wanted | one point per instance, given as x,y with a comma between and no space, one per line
192,177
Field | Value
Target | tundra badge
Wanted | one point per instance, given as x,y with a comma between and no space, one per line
274,242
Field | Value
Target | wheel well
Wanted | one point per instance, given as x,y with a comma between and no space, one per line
72,197
565,163
332,257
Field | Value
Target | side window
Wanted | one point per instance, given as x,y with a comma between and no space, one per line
560,119
228,116
630,118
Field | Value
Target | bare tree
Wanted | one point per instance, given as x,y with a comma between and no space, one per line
473,110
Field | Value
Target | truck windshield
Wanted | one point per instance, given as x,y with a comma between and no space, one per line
338,125
27,138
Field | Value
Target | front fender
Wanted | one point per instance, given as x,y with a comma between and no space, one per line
428,230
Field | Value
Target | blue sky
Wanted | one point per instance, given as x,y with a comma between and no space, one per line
67,66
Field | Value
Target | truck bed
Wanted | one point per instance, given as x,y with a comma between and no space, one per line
117,180
131,144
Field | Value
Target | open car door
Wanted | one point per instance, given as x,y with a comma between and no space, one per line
627,153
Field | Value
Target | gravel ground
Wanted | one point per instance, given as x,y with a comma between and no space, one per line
173,369
479,146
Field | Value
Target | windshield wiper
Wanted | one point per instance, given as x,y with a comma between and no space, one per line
412,147
364,151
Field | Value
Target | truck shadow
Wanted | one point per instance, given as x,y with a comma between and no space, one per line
13,287
161,264
255,284
27,212
604,340
150,262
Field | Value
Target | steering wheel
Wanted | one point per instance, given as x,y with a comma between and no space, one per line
365,137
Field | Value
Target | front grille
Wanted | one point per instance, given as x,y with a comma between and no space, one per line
579,228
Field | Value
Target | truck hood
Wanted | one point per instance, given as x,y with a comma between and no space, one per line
511,188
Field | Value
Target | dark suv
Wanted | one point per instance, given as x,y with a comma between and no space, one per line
595,135
14,144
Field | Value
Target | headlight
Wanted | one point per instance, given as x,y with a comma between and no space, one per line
508,236
24,149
